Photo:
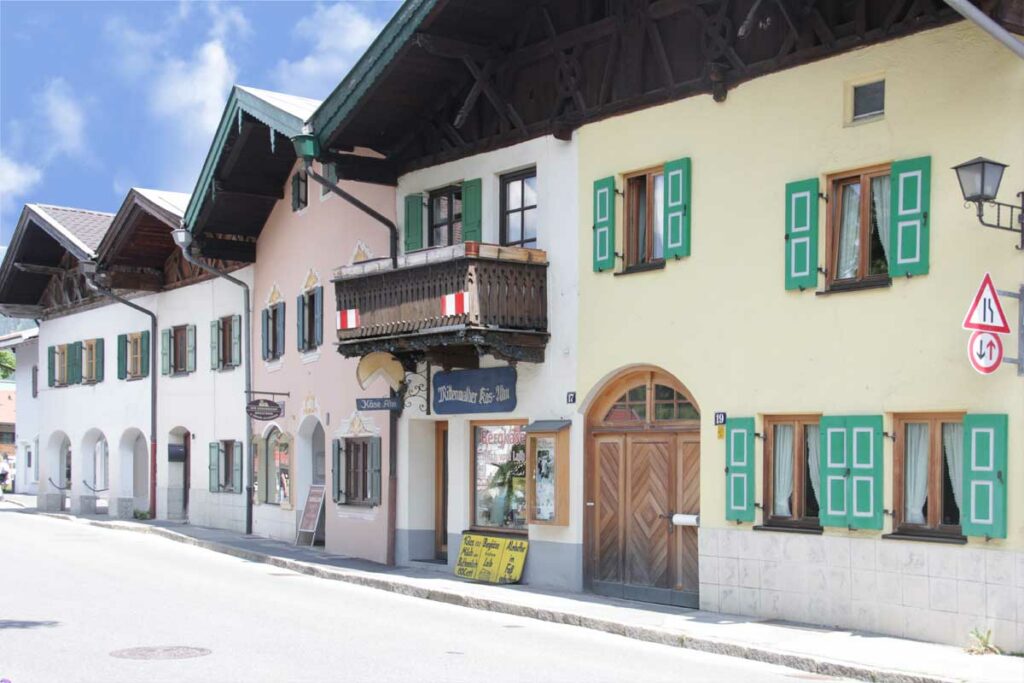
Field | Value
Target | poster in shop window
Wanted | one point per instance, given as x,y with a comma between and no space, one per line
491,559
544,479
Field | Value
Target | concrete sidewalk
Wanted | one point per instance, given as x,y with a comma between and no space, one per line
857,655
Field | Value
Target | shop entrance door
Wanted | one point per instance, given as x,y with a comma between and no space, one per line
641,471
441,492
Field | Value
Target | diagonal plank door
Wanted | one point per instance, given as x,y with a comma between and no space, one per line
609,538
650,491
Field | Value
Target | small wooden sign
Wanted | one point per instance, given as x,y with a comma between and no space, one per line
264,409
493,559
310,520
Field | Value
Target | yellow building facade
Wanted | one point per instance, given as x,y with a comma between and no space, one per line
864,368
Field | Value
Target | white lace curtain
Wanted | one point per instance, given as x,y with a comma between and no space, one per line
880,200
916,473
953,445
813,437
783,466
849,233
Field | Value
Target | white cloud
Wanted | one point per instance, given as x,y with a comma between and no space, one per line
226,21
339,34
64,116
16,180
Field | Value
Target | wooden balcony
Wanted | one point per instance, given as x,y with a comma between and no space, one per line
502,309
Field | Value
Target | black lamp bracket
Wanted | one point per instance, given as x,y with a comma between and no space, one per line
1009,217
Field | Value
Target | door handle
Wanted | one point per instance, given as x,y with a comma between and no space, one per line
590,503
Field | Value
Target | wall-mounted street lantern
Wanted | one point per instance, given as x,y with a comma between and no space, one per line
182,237
979,182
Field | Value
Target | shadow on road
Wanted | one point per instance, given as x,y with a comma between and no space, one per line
24,623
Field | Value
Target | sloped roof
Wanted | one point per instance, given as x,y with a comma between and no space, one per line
9,341
300,107
82,226
175,202
280,112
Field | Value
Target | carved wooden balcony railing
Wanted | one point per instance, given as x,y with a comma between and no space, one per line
502,309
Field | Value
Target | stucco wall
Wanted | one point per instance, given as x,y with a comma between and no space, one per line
721,320
296,249
541,388
27,425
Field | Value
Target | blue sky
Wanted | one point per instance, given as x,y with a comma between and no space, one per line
97,97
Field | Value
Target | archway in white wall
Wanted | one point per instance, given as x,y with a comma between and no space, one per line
178,465
93,462
133,457
57,467
310,460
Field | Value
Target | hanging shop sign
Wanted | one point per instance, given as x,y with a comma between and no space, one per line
487,390
264,409
383,403
492,559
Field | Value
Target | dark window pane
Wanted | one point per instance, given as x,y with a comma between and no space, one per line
664,411
661,392
514,194
686,411
849,233
878,262
637,394
530,224
515,227
530,191
868,99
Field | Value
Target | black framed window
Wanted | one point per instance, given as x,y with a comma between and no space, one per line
519,213
444,216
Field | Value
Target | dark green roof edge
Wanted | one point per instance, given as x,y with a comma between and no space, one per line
364,74
259,109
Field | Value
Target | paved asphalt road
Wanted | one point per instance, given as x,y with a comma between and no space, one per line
72,594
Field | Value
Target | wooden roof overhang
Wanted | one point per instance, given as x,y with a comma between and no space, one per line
449,78
242,178
135,251
42,257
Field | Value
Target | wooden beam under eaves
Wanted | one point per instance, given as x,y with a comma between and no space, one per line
37,269
142,282
229,250
363,169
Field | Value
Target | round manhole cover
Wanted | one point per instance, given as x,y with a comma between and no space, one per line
161,652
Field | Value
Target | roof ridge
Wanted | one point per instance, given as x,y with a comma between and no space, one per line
73,208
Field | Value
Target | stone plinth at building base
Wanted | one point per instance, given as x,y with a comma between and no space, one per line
122,508
84,505
50,502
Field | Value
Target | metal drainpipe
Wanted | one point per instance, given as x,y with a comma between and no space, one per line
392,415
187,253
95,286
985,23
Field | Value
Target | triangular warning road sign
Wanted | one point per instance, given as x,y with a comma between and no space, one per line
986,312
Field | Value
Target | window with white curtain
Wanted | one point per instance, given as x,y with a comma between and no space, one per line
791,470
928,469
858,228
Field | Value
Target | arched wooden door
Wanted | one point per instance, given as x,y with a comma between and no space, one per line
643,466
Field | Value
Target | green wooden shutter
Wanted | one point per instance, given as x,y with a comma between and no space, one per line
985,476
236,340
295,192
144,354
604,224
676,214
739,469
318,316
300,322
122,356
51,365
472,210
236,466
265,326
834,454
215,332
864,488
190,341
802,234
413,222
165,351
215,451
279,347
910,196
375,471
338,471
76,363
99,359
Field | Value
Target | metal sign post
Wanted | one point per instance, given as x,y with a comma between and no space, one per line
1019,360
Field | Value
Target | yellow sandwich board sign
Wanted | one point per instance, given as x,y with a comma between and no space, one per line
495,559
